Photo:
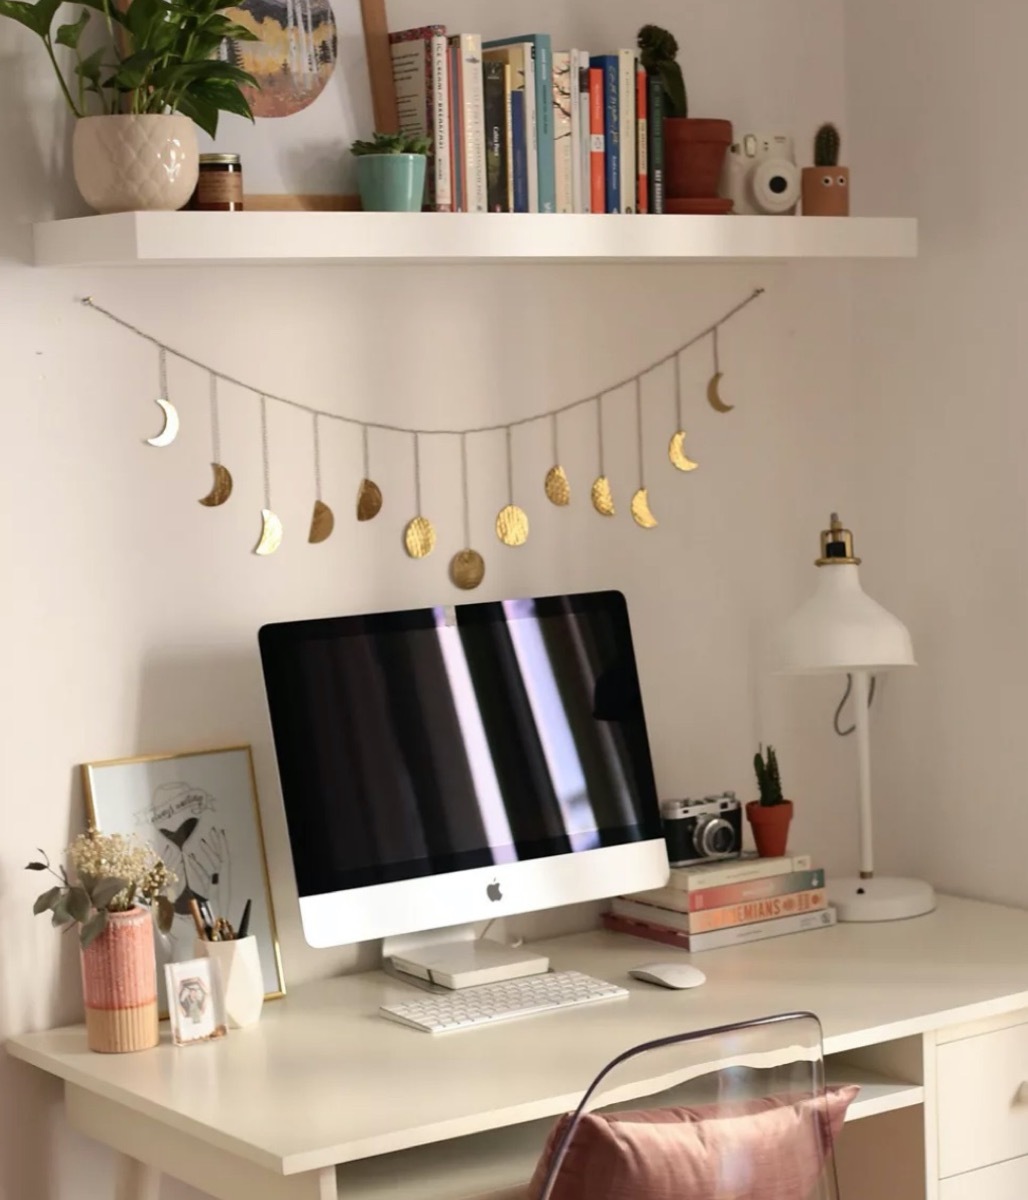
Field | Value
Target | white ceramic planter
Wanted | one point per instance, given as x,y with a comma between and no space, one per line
242,983
130,163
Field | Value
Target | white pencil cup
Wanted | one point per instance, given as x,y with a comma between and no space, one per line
242,982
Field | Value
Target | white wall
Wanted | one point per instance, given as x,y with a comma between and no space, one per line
130,612
938,96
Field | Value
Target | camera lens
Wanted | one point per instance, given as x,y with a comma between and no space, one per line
715,837
778,184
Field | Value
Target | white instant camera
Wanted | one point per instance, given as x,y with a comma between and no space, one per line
761,175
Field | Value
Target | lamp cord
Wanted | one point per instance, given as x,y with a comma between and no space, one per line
842,704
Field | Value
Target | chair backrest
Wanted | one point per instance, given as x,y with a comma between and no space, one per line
740,1112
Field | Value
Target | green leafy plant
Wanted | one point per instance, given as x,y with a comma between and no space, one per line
112,873
392,143
768,778
658,55
827,145
156,56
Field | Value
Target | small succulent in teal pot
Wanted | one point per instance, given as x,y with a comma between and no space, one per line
391,172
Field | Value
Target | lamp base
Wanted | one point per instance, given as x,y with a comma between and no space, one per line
880,898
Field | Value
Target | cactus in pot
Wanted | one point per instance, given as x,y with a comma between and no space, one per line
771,815
826,185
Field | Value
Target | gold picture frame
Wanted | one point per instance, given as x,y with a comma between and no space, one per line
189,806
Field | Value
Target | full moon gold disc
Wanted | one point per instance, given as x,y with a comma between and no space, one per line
419,537
558,490
369,500
602,497
467,569
323,521
512,525
676,452
641,514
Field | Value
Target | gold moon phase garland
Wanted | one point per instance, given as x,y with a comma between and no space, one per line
600,493
713,388
369,495
419,534
640,506
169,431
222,487
323,520
511,521
556,485
271,526
467,567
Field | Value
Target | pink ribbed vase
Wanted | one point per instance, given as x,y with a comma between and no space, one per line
119,984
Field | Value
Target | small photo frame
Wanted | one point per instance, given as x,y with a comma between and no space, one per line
195,1004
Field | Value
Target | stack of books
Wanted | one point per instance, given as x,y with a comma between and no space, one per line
517,126
727,903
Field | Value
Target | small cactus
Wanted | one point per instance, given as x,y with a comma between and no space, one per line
768,778
827,144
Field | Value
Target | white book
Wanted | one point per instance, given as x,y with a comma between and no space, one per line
585,122
441,124
576,134
626,128
562,147
474,122
760,931
736,870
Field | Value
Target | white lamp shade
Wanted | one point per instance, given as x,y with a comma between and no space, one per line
840,628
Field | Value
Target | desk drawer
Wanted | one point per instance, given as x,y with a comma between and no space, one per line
983,1114
1005,1181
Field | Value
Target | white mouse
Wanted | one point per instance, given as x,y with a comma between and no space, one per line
669,975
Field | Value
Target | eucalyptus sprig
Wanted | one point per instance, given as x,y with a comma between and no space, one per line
157,56
112,874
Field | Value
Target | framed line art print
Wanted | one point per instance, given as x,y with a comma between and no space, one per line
199,813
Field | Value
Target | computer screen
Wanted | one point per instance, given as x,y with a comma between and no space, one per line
459,748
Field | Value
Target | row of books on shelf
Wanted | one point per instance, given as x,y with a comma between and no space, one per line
517,126
727,904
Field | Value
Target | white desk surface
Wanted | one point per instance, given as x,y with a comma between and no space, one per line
323,1080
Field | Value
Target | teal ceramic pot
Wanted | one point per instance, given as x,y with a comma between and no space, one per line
391,182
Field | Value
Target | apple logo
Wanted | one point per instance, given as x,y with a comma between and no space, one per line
493,891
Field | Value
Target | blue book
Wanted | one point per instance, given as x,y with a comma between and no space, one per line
542,55
608,64
519,138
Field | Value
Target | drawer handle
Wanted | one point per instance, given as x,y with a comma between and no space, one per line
1022,1094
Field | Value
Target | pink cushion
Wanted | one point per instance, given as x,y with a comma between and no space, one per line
769,1149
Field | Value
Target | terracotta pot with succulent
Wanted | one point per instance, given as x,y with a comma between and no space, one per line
771,815
826,185
114,883
391,172
694,147
137,95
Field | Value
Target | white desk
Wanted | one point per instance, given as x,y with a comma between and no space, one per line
325,1099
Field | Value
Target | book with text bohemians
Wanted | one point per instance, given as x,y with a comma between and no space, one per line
718,939
731,893
523,123
597,144
540,56
493,75
421,79
750,911
735,870
563,158
467,59
607,64
655,133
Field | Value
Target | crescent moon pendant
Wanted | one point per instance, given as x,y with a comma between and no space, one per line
170,431
714,395
271,533
221,489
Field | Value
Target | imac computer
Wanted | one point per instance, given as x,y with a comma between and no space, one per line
449,765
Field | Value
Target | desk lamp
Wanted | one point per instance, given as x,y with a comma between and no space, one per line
841,629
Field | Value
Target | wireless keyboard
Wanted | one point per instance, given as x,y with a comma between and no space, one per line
494,1002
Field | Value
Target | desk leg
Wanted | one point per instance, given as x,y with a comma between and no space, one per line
136,1180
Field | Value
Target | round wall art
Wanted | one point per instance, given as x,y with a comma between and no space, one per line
294,57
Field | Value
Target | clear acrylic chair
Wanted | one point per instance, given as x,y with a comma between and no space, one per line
739,1112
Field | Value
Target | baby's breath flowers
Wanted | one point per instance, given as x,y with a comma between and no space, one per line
113,874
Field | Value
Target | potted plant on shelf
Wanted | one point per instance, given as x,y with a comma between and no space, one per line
694,147
826,185
391,172
770,816
114,884
137,95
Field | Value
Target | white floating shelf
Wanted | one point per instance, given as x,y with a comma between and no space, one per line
268,238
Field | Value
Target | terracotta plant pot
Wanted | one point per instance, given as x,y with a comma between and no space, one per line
826,191
694,154
119,985
130,163
770,825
